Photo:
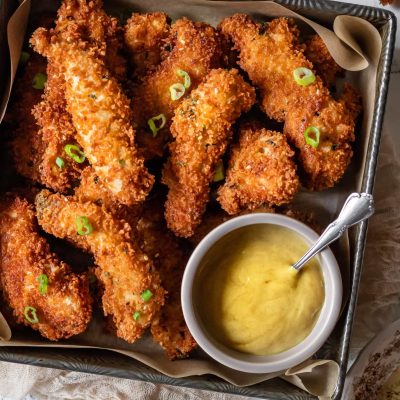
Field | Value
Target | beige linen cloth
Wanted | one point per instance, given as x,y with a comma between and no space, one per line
379,298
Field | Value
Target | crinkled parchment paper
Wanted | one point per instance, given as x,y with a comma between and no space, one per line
355,45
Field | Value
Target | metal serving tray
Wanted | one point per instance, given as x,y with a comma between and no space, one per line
108,363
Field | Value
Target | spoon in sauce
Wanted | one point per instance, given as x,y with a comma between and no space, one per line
357,208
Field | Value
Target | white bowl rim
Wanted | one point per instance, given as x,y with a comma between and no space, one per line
278,362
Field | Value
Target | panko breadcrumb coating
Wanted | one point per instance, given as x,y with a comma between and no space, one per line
132,294
270,56
261,171
63,306
196,49
168,327
202,129
316,51
145,36
100,112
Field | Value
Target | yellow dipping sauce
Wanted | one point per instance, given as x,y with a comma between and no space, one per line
251,299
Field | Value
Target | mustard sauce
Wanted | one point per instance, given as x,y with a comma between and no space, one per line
249,296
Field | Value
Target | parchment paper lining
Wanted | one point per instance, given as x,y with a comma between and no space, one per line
355,45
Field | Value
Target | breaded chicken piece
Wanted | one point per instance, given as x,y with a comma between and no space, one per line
168,328
100,111
196,49
325,165
270,58
145,36
261,171
316,51
27,147
202,129
132,295
42,291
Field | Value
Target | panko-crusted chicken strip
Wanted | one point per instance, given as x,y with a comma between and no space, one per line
27,146
325,164
316,51
261,171
195,49
202,130
42,291
100,112
270,58
145,36
132,294
168,328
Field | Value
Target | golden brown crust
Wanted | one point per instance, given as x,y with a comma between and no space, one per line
145,36
196,49
64,309
316,51
168,328
201,129
261,171
125,272
299,106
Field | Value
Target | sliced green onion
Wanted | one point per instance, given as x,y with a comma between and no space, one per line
219,174
83,226
186,78
32,318
304,76
75,153
43,282
60,162
136,315
152,123
24,57
39,81
146,295
312,141
177,90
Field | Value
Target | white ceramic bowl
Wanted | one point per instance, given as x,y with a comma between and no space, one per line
273,363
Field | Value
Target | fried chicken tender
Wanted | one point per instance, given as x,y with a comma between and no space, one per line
169,256
145,36
63,309
202,130
261,171
132,295
269,59
316,51
100,112
196,49
27,147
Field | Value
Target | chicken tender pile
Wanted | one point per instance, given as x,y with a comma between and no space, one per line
271,56
132,141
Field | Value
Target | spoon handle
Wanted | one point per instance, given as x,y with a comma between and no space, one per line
358,206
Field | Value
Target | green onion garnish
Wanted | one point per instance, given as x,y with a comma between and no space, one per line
219,174
75,153
60,162
177,90
33,318
312,141
304,76
136,315
146,295
186,78
39,81
83,226
43,282
23,59
152,123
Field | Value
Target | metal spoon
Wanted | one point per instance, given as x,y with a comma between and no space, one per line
358,206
